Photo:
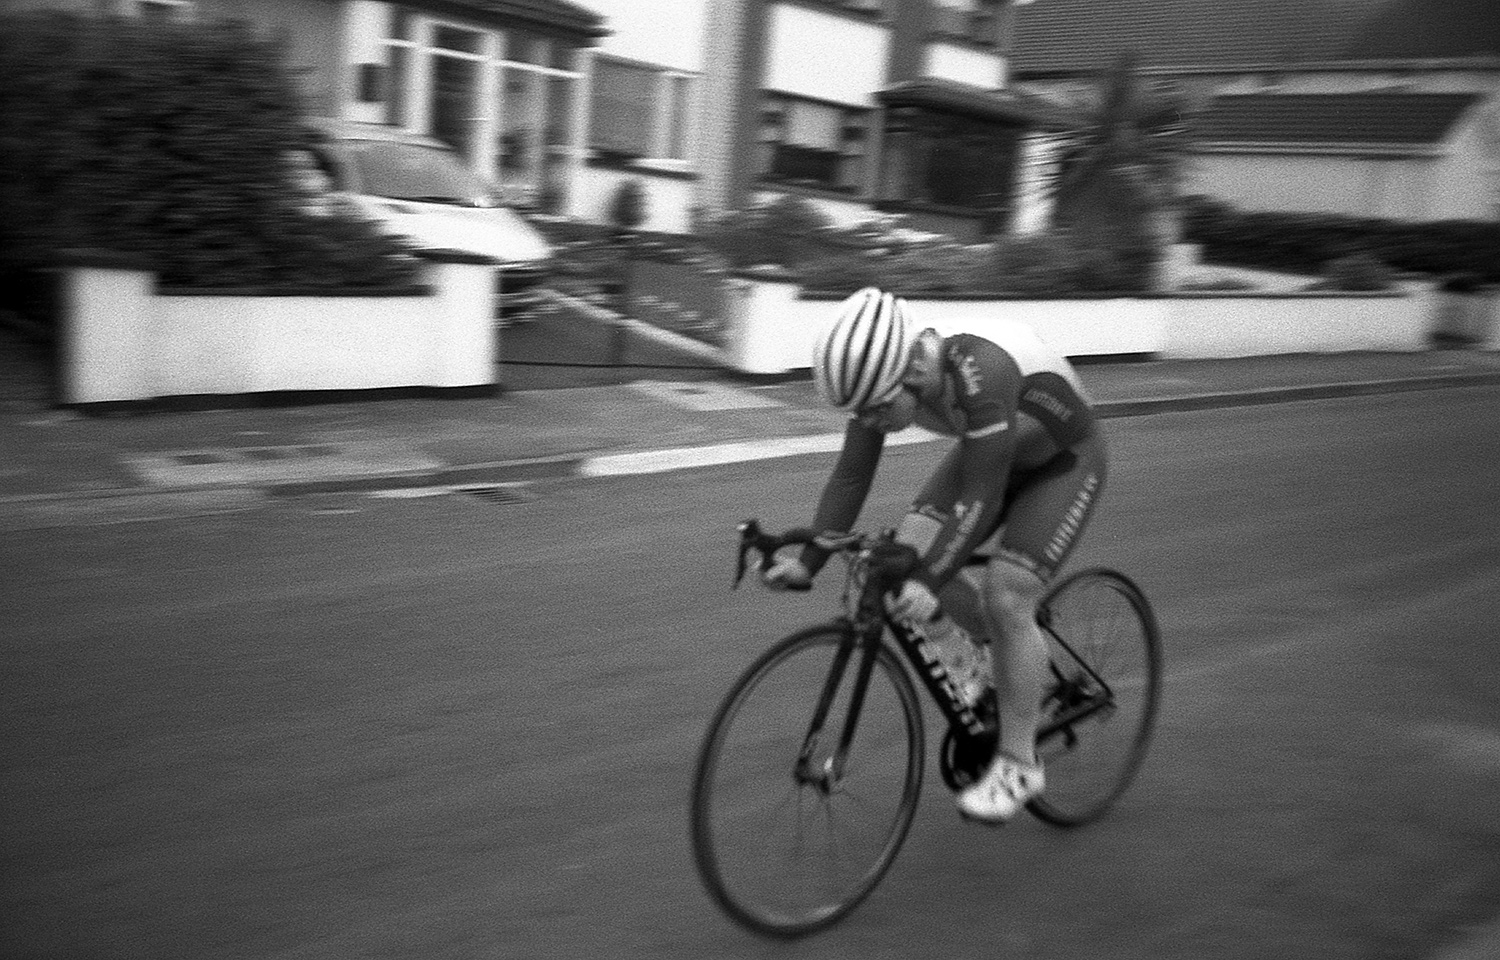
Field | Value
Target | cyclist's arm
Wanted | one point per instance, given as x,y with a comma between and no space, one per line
845,491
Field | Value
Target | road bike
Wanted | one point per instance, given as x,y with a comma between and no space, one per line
809,774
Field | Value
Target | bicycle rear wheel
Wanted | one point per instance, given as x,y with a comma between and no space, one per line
1101,702
785,841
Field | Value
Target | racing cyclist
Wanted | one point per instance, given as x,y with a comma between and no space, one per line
997,517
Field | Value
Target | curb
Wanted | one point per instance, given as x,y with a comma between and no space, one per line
503,471
1270,395
627,463
635,462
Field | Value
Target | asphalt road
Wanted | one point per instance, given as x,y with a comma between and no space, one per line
449,728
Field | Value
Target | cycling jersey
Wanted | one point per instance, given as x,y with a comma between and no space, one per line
1020,413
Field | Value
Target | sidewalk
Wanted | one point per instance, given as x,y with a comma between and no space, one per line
52,455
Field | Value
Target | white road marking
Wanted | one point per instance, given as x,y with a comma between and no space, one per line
683,458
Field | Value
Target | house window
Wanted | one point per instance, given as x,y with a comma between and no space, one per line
504,99
977,21
812,144
956,162
455,111
640,110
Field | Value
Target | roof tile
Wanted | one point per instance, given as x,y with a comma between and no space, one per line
1386,120
1074,36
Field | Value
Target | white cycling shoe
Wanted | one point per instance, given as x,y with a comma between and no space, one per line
1002,791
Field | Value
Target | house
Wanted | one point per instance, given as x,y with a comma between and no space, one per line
1387,154
503,81
1384,108
897,105
902,106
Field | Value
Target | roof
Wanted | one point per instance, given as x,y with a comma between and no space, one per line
1010,105
1389,122
1060,37
554,15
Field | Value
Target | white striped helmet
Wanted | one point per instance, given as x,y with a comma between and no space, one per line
860,357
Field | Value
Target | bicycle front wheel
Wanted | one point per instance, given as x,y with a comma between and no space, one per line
789,832
1101,701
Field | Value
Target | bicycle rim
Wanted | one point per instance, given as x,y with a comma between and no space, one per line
1102,634
784,857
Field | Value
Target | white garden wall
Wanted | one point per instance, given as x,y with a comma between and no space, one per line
772,325
1206,325
123,341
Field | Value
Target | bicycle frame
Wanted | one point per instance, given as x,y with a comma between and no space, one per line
866,623
832,666
1075,703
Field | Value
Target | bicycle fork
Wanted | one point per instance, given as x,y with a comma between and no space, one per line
828,777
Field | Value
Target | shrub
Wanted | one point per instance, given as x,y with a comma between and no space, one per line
1039,265
1209,283
1043,265
627,210
165,141
1356,272
787,232
1306,241
793,216
1462,283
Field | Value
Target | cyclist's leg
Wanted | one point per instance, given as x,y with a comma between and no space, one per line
1010,597
1046,514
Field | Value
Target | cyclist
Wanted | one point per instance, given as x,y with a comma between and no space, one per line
999,514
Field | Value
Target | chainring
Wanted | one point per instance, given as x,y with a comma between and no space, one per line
964,757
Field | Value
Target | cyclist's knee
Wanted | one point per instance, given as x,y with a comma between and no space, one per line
918,530
1012,592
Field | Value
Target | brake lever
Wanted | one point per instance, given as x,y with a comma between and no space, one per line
752,538
749,534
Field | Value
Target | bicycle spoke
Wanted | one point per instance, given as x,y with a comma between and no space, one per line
1105,674
785,853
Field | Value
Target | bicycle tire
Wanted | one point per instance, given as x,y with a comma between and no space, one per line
717,848
1104,618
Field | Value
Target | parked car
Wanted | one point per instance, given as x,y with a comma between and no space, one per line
419,188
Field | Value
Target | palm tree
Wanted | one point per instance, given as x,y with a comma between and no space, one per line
1121,174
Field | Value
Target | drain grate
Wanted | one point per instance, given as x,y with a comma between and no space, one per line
492,493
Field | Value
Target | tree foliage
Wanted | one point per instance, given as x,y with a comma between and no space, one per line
1121,173
165,141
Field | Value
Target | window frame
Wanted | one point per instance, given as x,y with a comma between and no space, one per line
670,112
857,134
979,22
409,93
912,138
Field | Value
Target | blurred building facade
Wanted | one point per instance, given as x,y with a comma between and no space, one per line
942,110
855,105
1382,108
708,104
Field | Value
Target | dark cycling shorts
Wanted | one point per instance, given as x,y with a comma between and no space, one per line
1046,508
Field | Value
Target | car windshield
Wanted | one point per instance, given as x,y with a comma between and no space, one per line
406,171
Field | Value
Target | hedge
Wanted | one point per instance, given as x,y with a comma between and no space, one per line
166,141
792,234
1307,241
